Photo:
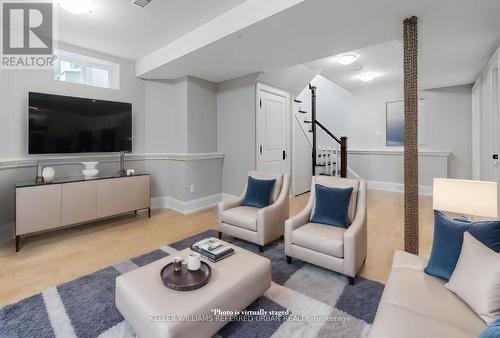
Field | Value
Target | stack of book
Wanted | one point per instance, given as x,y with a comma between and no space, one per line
212,249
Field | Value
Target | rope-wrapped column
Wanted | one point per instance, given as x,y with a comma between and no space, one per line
410,135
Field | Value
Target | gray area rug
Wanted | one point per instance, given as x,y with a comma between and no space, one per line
85,307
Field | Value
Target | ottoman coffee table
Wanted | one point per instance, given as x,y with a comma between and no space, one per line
153,310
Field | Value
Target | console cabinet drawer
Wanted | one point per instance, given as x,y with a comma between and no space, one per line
38,209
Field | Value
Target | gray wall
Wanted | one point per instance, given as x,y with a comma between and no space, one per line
236,130
16,84
202,115
360,114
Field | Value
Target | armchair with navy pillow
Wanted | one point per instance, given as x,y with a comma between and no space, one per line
331,231
259,214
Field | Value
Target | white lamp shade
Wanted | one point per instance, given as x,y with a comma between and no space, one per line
477,198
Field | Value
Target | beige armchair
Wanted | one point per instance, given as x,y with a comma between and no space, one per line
331,247
259,226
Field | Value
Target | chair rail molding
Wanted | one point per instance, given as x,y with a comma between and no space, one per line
55,160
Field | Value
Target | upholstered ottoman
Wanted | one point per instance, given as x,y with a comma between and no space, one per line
153,310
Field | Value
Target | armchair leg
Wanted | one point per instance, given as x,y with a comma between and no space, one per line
220,235
289,259
261,248
351,280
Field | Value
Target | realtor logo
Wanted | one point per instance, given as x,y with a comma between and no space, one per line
27,35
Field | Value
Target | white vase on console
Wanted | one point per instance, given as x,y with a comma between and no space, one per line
90,170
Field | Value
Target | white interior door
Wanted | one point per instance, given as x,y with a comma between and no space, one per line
273,119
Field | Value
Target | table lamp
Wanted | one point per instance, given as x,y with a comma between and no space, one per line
470,198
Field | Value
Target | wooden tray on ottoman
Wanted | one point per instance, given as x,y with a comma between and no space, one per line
185,280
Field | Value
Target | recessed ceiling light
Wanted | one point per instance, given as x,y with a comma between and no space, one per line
366,77
346,59
75,6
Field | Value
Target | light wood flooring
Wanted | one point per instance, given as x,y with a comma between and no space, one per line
53,258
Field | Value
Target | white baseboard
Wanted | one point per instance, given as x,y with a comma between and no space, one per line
397,187
185,207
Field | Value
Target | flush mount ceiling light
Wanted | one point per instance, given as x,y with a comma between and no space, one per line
75,6
366,77
346,59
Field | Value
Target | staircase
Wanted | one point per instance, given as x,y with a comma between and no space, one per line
329,153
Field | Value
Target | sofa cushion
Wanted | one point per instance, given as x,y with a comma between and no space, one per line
492,331
243,217
476,279
321,238
394,321
258,192
270,176
426,299
448,238
337,182
331,206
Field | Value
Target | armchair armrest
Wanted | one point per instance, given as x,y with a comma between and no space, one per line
271,219
355,237
295,222
225,205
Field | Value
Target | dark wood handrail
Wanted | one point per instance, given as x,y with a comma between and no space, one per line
327,131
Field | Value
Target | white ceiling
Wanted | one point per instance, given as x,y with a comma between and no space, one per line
385,60
118,27
456,38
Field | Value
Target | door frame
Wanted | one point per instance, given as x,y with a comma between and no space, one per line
262,87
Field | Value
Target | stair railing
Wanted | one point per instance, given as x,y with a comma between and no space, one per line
332,156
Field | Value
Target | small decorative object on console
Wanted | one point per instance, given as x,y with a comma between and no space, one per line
48,174
90,169
130,172
212,249
39,177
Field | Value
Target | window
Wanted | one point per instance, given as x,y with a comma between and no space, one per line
76,68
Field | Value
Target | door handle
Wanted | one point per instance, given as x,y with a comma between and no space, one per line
284,155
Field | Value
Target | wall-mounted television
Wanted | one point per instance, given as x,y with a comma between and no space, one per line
63,124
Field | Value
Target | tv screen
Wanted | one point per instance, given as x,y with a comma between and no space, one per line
63,124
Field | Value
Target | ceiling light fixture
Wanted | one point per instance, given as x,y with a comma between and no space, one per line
346,59
75,6
366,77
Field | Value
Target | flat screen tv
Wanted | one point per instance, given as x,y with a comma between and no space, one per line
63,124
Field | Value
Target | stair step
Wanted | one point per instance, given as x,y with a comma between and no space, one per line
307,121
298,101
302,112
320,165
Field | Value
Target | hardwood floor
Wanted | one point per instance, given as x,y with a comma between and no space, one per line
53,258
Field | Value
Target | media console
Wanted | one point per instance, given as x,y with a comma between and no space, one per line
70,201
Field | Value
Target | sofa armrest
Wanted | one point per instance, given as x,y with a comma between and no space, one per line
355,237
271,219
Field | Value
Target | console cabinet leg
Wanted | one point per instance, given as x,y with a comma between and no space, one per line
351,281
149,212
17,243
289,259
261,248
220,235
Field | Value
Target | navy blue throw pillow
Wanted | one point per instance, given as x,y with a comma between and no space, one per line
332,205
448,239
492,331
258,192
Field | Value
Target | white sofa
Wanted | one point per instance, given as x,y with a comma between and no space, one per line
331,247
417,305
259,226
